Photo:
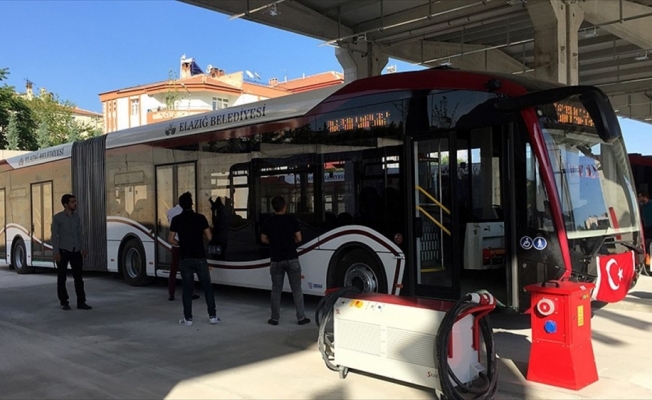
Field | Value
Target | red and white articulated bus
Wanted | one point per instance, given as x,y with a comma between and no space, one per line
429,183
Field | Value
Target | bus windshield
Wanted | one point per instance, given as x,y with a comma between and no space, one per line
592,177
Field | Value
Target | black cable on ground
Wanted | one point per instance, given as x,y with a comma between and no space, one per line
459,390
324,319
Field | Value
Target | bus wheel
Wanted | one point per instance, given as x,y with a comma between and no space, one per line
360,269
19,258
134,263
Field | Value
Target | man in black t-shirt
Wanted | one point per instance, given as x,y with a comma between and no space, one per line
282,232
191,229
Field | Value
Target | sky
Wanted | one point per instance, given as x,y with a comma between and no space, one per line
79,49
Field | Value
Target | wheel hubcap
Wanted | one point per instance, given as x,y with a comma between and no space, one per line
132,263
18,257
361,276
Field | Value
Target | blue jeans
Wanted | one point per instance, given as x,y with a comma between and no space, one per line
198,266
277,270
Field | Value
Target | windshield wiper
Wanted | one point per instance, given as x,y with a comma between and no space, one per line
629,244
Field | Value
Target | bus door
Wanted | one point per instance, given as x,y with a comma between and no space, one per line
462,241
436,227
481,197
171,181
41,221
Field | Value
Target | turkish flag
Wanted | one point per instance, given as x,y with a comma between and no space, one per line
615,275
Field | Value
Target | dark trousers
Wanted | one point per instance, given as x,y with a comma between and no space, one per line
174,266
647,232
293,270
188,268
74,258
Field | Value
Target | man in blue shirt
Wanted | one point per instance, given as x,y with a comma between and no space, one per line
67,248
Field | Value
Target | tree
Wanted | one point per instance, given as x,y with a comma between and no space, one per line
94,132
42,121
442,116
13,135
56,114
75,132
13,105
173,97
86,130
43,135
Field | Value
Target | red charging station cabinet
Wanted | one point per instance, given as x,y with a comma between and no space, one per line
562,352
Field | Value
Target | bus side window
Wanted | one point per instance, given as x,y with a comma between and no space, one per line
330,221
369,212
262,217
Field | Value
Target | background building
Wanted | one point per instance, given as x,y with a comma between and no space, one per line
91,120
86,123
197,92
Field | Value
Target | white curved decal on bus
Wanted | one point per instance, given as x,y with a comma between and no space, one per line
117,228
18,231
315,257
41,156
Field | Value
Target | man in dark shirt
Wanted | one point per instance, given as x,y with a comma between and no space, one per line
282,232
191,228
174,262
67,248
645,205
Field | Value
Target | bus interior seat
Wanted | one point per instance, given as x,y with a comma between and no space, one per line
344,218
330,221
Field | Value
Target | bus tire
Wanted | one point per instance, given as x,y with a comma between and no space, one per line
133,263
361,268
19,258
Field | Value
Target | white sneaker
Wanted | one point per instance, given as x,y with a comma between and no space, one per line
213,320
186,322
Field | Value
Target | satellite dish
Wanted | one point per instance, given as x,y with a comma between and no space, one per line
209,67
249,74
256,75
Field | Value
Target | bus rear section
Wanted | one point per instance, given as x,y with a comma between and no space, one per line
31,187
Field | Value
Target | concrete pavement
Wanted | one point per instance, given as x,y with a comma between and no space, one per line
130,346
621,336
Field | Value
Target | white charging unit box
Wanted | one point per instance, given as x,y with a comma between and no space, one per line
395,337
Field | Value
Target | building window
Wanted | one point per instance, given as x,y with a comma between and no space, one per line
219,103
134,107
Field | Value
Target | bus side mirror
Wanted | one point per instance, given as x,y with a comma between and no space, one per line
604,118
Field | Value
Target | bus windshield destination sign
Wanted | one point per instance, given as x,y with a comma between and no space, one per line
573,114
365,121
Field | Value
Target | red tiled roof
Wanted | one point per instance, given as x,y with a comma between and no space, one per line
264,91
203,82
312,82
79,111
196,82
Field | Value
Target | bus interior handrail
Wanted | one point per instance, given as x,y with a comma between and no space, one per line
434,220
437,202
